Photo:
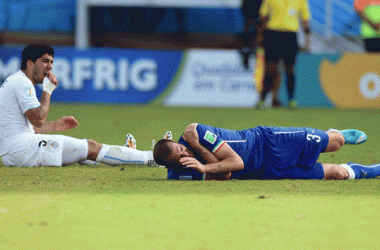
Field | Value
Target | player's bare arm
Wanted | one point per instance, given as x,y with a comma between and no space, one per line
191,137
229,161
209,157
60,125
191,134
37,116
38,72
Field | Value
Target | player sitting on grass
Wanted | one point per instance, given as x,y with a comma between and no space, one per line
259,153
23,142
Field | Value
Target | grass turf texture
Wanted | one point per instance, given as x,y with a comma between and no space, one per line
101,207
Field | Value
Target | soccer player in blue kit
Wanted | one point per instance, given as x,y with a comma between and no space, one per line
206,152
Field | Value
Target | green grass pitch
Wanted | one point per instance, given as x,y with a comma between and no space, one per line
101,207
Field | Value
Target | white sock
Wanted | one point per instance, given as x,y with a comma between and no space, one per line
119,155
336,130
351,173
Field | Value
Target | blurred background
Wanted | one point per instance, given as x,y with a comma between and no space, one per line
184,53
156,24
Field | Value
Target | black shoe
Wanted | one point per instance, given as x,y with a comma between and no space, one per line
276,103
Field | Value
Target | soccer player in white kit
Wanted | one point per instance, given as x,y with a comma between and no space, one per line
23,142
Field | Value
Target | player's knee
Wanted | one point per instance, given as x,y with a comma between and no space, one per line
336,141
338,138
93,149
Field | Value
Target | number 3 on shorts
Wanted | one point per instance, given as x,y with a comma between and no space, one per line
310,137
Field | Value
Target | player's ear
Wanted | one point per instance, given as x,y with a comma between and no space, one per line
29,63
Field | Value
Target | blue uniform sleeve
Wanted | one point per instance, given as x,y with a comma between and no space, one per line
209,138
183,142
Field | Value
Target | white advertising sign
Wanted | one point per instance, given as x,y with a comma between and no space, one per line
214,78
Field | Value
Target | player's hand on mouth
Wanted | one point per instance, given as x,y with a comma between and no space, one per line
51,77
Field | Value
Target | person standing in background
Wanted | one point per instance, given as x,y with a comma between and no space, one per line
250,10
279,22
369,13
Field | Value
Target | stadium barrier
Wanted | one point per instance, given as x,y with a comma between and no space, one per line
204,78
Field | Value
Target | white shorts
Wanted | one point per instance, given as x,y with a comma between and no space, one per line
45,150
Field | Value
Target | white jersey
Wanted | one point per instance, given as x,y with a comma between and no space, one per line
20,146
17,95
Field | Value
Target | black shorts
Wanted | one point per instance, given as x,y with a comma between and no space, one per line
280,45
372,44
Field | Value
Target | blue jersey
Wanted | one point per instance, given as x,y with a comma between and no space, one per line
246,143
269,152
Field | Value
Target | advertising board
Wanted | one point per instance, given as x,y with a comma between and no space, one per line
104,75
201,78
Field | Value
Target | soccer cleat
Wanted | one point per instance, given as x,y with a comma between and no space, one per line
130,141
359,171
276,103
353,136
168,135
152,163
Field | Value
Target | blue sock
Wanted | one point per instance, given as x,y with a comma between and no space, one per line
358,171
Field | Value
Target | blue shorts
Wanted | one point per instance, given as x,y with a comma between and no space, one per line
292,153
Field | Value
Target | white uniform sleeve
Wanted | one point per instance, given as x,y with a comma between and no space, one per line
26,95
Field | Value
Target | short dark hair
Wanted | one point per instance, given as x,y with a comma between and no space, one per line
162,152
33,52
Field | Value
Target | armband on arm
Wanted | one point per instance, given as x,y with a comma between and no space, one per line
48,86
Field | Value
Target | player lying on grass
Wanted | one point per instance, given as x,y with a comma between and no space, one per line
259,153
23,122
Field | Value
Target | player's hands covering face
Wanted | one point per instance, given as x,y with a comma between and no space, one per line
193,163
